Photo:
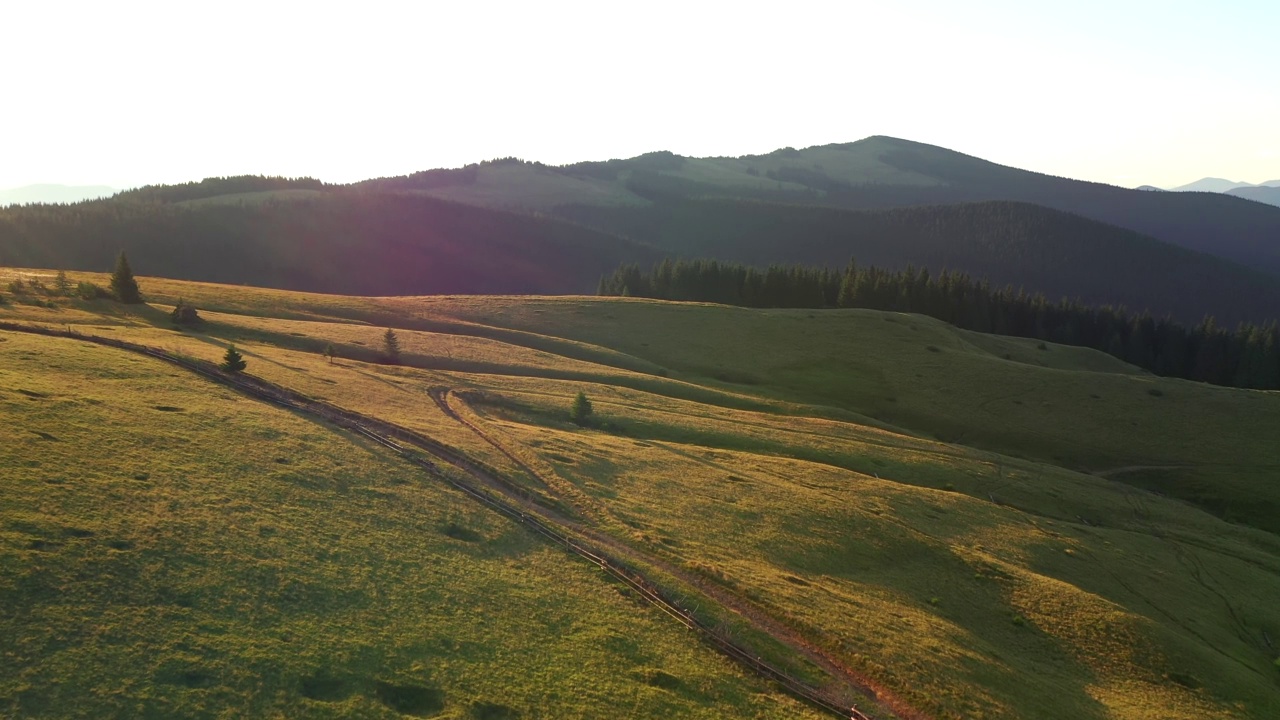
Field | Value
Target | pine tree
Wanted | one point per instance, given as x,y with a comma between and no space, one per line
329,352
232,361
391,347
62,284
581,409
123,284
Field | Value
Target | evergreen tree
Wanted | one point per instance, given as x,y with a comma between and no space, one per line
123,284
329,352
62,284
391,347
232,361
581,409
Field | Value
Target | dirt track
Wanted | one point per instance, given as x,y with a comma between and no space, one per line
840,697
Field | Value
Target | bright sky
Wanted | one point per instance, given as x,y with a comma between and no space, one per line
124,93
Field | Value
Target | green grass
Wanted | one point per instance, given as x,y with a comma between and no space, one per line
168,548
965,519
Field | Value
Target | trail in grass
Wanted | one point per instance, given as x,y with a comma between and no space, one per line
838,699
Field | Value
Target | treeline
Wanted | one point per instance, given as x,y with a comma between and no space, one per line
1248,356
215,186
1056,253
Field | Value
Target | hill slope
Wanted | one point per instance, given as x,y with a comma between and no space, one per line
883,172
1261,193
306,238
1059,254
976,575
224,557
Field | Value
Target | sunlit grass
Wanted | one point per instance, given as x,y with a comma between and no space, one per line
904,494
169,548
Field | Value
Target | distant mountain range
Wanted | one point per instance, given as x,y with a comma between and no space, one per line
1220,185
1268,193
509,226
53,194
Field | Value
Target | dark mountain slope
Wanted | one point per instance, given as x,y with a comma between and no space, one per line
1060,254
877,172
1209,222
336,241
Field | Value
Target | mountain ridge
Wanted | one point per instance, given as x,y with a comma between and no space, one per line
872,173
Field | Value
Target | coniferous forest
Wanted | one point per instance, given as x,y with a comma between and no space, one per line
1247,356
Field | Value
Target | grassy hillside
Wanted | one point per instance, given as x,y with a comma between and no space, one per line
169,548
939,511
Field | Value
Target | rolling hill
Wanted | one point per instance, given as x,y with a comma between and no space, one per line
884,172
398,238
1210,184
1057,253
1261,193
974,526
313,239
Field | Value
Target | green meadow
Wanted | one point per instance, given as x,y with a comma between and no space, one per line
981,527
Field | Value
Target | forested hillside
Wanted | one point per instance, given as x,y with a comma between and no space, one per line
336,241
1041,250
876,172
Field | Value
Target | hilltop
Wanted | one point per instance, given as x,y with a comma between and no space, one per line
976,526
881,200
877,172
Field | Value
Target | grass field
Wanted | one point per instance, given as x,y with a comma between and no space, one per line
940,511
171,549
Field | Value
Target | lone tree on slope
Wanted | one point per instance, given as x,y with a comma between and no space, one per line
391,347
329,352
123,284
232,361
581,409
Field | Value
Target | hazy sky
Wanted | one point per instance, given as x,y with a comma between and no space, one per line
1124,91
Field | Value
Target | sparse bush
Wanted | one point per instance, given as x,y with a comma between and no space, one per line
581,410
1155,392
232,360
37,286
934,348
1042,346
184,314
1019,620
90,291
17,286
